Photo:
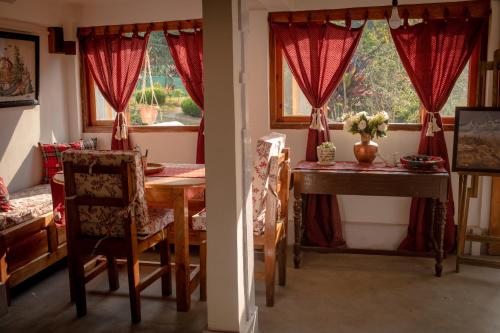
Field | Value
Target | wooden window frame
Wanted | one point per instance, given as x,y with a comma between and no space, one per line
90,123
278,120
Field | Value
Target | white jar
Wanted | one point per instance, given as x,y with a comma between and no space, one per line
326,155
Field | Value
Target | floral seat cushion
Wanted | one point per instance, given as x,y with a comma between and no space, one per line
109,221
265,172
27,204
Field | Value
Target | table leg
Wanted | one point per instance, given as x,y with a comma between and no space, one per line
441,220
182,274
297,218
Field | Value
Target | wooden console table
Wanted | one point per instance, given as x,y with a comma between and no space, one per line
349,178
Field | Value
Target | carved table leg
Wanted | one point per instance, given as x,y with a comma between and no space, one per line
440,218
297,218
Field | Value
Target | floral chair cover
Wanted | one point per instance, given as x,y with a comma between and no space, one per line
265,176
110,221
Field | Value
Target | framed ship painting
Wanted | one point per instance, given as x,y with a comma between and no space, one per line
19,61
476,147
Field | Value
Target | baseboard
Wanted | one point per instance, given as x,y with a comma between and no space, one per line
251,326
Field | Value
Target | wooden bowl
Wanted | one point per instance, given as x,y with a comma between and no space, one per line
421,161
152,168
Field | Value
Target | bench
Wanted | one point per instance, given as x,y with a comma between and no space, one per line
30,240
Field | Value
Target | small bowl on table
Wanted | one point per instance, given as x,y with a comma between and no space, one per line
421,162
152,168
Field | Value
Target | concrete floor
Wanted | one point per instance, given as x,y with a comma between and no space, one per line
331,293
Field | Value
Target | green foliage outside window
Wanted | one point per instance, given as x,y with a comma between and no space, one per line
375,81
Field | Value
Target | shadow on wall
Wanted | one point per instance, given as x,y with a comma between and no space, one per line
9,119
29,169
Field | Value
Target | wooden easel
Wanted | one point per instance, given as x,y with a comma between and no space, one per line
466,191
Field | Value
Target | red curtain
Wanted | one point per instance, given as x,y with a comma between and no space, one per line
115,62
434,53
318,55
187,52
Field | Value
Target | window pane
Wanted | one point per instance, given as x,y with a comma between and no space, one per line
459,94
172,106
374,81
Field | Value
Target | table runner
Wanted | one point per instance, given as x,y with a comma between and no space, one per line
363,167
181,170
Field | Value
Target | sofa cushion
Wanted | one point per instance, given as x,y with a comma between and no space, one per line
51,157
27,204
90,143
4,197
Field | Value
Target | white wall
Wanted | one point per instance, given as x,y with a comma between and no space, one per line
23,127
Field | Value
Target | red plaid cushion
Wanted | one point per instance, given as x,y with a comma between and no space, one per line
51,155
4,197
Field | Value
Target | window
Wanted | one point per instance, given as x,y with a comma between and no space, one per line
175,110
374,81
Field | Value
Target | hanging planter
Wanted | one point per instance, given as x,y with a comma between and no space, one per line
148,109
148,113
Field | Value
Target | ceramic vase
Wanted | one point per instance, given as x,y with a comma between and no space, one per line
366,149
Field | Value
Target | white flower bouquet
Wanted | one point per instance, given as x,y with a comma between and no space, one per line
362,123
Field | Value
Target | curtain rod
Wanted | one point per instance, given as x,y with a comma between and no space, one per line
479,8
141,27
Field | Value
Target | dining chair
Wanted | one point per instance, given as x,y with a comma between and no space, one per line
270,194
107,215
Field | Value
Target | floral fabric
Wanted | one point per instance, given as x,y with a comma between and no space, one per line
4,196
265,179
27,204
267,147
90,143
199,221
109,221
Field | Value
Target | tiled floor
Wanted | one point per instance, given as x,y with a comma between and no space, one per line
331,293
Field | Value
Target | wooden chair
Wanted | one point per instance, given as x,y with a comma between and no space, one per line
273,241
107,215
271,183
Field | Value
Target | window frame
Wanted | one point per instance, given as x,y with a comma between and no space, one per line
276,60
87,88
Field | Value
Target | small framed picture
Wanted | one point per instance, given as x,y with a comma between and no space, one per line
19,61
476,147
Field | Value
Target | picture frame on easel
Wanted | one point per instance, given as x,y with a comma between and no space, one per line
476,140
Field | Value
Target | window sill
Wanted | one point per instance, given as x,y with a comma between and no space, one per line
339,126
142,129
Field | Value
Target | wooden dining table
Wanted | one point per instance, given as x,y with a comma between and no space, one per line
171,189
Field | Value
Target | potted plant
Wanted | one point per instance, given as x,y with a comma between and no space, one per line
326,153
368,127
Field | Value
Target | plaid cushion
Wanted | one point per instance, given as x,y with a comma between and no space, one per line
51,155
90,143
4,197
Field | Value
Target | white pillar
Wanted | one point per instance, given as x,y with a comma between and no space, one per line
231,305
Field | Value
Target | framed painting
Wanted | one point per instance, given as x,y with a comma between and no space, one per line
477,140
19,61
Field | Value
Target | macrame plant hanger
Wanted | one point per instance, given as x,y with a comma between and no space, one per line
148,111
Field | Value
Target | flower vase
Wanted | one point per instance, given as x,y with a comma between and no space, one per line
365,150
